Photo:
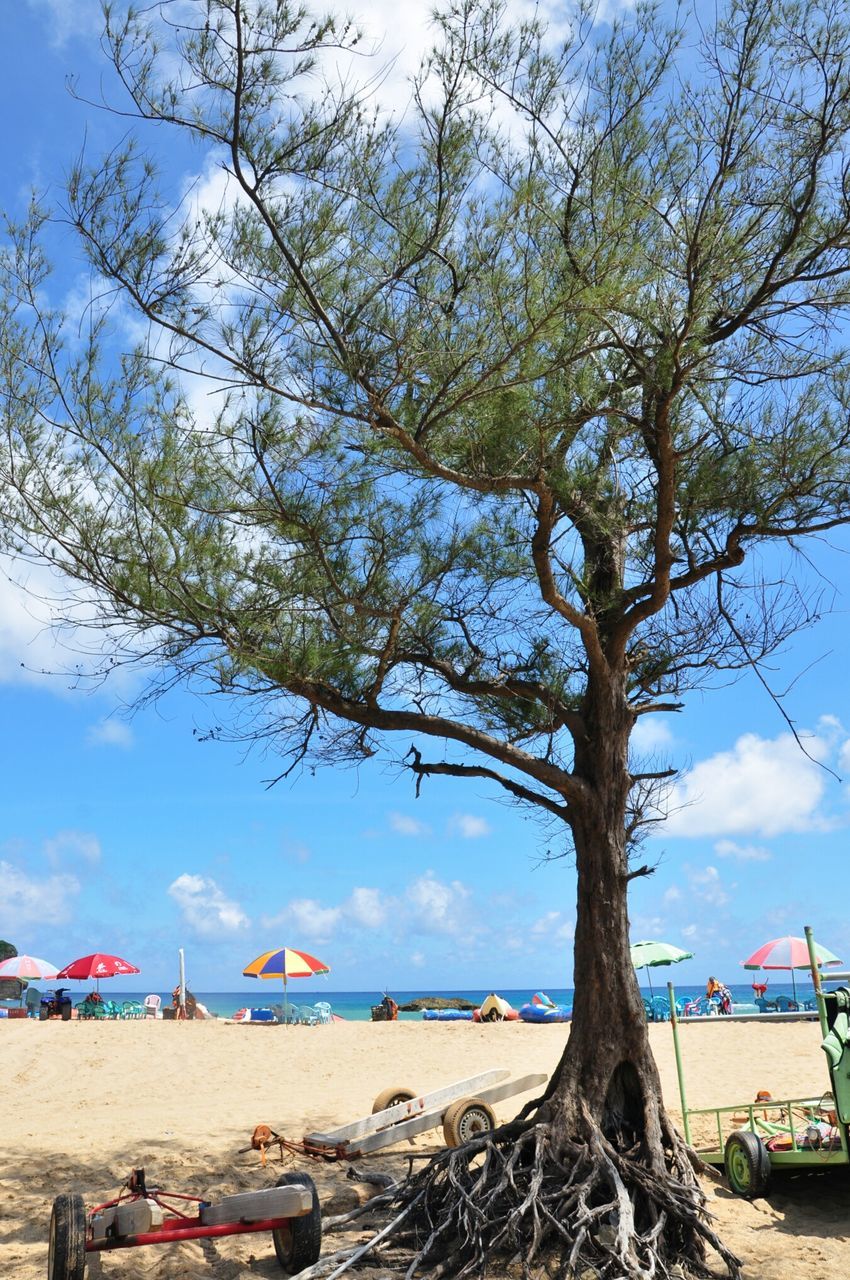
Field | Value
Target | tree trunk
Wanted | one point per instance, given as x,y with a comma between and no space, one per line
592,1178
607,1072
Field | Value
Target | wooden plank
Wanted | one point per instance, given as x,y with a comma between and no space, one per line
437,1101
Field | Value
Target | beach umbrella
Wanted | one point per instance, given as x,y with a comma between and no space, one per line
97,966
25,968
649,955
286,963
789,953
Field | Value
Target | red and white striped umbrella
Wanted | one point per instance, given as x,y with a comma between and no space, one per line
26,967
789,953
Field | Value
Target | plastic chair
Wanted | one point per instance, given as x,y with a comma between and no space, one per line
132,1009
92,1009
324,1011
660,1009
152,1004
32,999
308,1016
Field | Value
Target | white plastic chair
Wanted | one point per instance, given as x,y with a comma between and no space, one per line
152,1004
324,1011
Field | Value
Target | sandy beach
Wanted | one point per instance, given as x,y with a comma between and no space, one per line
83,1103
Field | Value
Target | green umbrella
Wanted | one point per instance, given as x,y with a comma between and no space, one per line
648,955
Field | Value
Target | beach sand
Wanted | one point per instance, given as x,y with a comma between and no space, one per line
84,1103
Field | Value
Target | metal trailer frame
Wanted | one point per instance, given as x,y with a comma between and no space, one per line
403,1120
180,1226
68,1256
794,1113
406,1119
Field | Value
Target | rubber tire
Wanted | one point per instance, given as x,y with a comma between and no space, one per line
66,1259
465,1119
747,1164
389,1097
66,1012
43,1013
300,1244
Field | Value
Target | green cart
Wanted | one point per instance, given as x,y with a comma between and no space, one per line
773,1133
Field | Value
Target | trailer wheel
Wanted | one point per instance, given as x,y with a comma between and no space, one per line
66,1257
747,1164
389,1097
465,1119
299,1244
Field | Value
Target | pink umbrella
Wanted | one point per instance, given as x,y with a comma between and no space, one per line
25,967
788,953
97,966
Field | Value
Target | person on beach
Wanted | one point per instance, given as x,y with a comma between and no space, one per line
715,990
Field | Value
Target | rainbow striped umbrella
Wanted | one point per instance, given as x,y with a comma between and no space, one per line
286,963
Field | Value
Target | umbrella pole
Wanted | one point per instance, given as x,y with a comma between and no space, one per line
649,980
794,985
285,1002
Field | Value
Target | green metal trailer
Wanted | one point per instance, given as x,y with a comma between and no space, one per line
753,1138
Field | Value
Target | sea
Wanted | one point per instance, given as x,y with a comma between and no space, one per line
356,1006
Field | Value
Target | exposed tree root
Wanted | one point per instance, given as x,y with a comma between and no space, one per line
546,1205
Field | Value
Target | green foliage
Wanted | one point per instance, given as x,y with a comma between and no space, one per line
504,394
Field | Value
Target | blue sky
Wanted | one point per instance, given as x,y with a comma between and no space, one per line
127,834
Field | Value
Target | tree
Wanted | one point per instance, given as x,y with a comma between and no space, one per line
523,404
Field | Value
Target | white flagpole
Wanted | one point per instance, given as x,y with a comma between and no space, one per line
182,996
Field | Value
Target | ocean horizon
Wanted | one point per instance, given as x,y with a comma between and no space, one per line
356,1006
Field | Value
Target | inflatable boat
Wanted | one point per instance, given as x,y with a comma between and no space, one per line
447,1015
542,1009
253,1015
545,1013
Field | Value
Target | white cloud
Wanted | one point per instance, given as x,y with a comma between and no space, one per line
367,907
762,786
673,894
743,852
28,642
110,733
554,925
651,733
76,844
470,827
309,918
706,883
64,19
844,757
404,825
438,907
417,959
40,900
205,908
